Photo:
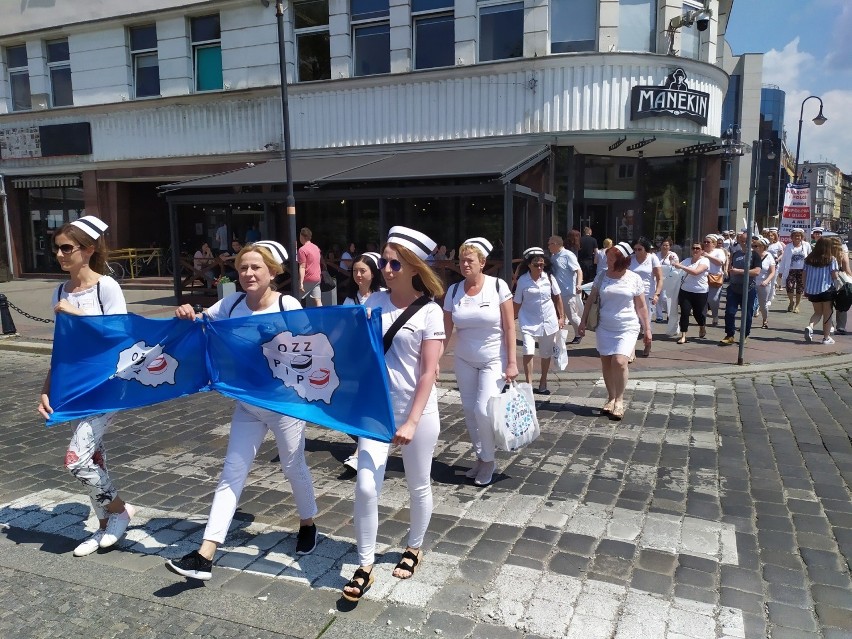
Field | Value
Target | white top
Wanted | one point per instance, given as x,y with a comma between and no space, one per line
403,357
477,320
104,298
565,267
766,263
537,315
617,310
346,257
645,270
696,283
670,259
222,309
775,250
793,258
715,269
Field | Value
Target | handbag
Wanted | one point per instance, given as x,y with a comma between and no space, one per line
715,280
327,281
513,418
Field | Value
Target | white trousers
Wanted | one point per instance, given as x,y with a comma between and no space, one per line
478,382
417,460
248,428
764,297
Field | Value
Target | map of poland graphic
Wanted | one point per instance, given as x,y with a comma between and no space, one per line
304,363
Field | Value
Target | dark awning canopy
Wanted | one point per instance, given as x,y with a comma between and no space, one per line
496,162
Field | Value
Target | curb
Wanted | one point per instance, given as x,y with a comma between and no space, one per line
20,344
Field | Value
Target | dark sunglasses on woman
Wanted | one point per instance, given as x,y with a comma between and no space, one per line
65,249
395,265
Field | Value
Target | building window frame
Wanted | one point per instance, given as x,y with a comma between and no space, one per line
369,24
17,74
491,7
58,69
435,10
626,27
141,54
305,32
820,178
206,50
691,32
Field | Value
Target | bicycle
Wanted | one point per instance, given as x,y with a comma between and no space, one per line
116,271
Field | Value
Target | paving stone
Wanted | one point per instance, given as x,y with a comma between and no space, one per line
791,616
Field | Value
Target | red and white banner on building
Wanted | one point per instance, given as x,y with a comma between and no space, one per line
797,211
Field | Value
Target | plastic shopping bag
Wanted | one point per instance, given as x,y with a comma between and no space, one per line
513,417
560,352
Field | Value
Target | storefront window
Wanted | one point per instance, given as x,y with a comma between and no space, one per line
668,194
46,210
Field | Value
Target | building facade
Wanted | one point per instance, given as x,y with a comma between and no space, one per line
101,104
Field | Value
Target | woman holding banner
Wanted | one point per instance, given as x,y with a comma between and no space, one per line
412,357
81,251
257,265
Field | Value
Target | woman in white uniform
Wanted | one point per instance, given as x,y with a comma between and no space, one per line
667,258
776,250
81,251
538,306
366,280
257,265
412,364
718,259
764,279
648,266
485,357
622,314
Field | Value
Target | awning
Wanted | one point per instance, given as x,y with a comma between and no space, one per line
498,162
46,181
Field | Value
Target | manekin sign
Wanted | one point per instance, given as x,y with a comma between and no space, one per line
672,98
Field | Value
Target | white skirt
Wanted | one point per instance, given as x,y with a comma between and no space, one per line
621,342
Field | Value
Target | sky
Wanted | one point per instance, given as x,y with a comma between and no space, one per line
807,47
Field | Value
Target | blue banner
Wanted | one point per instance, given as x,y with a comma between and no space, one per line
114,362
325,365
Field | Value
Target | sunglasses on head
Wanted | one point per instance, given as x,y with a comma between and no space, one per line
396,265
65,249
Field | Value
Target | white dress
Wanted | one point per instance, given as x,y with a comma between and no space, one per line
618,325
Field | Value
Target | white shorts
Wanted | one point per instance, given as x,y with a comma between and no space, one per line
545,344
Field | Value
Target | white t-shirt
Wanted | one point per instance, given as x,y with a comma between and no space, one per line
645,270
617,312
104,298
775,250
601,262
537,315
696,283
403,357
346,261
237,301
670,259
477,320
719,254
766,263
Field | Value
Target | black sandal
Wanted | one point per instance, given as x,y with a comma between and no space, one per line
362,586
409,562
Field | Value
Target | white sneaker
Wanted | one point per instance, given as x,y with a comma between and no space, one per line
828,340
90,545
116,526
809,334
351,462
474,470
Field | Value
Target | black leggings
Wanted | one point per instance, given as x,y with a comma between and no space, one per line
695,302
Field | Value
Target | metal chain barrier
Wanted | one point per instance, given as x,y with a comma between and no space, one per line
27,315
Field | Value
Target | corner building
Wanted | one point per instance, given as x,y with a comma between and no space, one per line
509,119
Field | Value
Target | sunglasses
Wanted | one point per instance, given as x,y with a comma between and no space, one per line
65,249
696,248
396,265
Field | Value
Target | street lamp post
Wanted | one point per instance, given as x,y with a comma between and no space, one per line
819,120
285,114
745,308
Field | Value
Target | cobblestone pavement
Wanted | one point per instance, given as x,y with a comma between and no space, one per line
719,507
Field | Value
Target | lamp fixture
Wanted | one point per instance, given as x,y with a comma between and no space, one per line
641,143
700,148
618,143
